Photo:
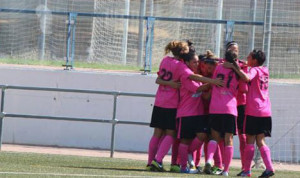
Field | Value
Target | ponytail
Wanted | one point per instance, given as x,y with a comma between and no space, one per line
175,47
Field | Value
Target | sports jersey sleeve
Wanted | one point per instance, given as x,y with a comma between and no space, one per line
252,73
215,72
190,85
184,72
243,87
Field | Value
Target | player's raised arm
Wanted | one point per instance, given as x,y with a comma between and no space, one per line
170,83
200,78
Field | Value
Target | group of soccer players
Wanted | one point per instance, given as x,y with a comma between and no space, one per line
205,100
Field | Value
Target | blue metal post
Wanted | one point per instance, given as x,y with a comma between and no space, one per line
2,114
149,43
229,31
74,18
71,46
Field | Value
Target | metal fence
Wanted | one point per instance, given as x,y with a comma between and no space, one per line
114,121
284,142
134,32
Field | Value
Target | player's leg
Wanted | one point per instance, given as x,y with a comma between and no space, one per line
266,155
211,149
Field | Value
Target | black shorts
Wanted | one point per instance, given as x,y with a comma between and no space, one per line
241,118
163,118
258,125
202,124
189,126
223,123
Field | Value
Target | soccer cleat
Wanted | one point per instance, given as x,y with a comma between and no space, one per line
224,173
207,168
149,168
240,173
246,174
175,168
191,161
157,166
267,174
189,171
200,171
216,170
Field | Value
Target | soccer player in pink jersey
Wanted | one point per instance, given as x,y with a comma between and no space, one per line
190,115
166,102
258,113
209,63
241,102
223,111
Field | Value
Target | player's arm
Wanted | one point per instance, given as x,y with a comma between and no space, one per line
238,70
170,83
206,95
204,87
200,78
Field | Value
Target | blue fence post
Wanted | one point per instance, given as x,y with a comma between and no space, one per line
148,46
71,41
229,31
2,113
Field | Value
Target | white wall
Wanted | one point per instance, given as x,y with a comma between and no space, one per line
285,105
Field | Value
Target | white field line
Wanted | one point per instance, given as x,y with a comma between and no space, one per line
69,175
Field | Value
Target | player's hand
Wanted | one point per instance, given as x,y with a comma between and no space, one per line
218,82
174,84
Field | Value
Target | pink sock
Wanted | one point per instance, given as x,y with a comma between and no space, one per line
242,139
266,156
248,156
161,139
218,158
153,145
164,148
228,154
211,149
195,145
183,152
197,156
175,151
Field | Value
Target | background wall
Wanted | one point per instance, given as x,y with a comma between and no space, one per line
284,97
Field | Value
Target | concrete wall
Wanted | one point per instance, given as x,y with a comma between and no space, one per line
285,103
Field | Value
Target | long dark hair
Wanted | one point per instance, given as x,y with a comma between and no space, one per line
231,56
259,56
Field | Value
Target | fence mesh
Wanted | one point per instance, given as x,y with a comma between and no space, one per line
116,41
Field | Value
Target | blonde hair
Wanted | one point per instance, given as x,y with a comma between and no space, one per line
210,55
176,47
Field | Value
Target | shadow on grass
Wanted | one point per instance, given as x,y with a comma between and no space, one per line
115,169
104,168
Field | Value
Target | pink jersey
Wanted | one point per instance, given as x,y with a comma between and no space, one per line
170,69
190,103
223,99
241,96
258,101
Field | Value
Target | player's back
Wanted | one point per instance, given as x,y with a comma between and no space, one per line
258,101
166,96
223,99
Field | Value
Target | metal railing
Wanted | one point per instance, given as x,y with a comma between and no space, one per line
114,121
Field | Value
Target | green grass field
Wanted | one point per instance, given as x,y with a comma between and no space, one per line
77,64
45,165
